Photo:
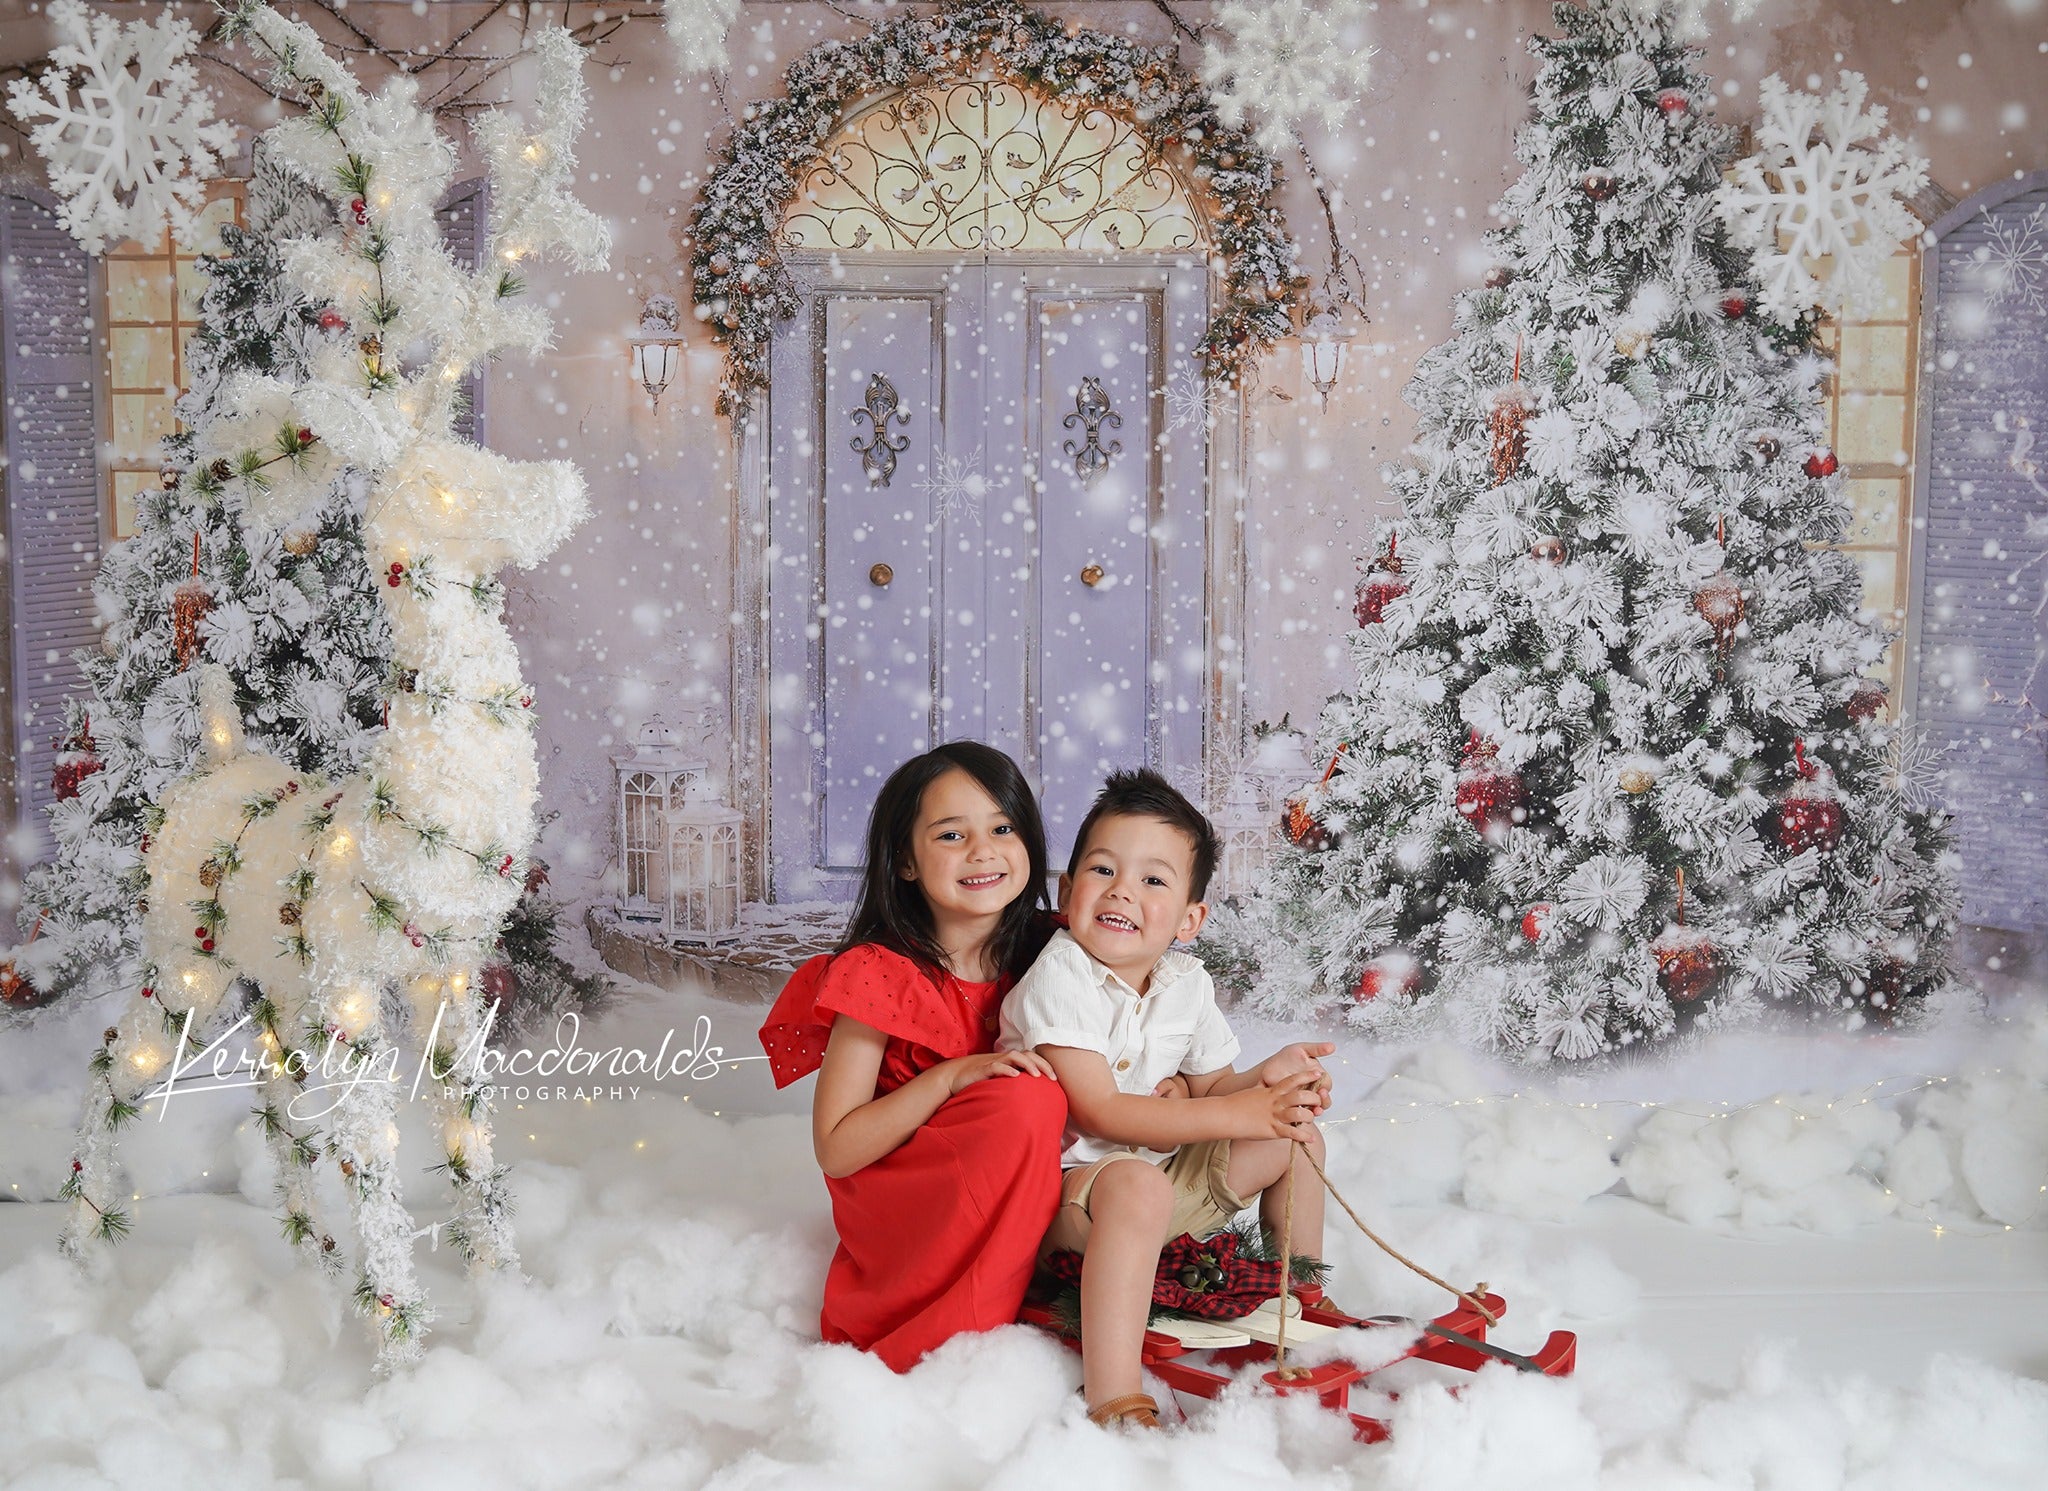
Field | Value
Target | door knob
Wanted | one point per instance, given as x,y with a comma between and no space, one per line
1091,575
880,574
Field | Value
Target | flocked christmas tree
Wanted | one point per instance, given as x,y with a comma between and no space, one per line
293,616
1613,764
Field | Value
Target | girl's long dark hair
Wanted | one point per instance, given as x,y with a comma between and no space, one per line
892,911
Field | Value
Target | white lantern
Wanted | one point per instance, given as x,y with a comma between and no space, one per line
652,781
1247,832
657,346
1280,765
703,867
1323,339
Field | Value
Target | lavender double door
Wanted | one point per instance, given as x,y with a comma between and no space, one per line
982,528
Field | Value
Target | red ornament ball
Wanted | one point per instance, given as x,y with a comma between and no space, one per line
1809,815
1687,964
1735,306
1490,797
1598,184
1389,973
333,320
1866,701
1674,101
1822,463
1536,921
1377,591
497,982
19,991
1550,550
1499,277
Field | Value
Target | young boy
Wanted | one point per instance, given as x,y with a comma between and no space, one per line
1118,1015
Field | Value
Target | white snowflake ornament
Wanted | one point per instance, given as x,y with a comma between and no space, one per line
1285,60
127,129
1825,183
698,29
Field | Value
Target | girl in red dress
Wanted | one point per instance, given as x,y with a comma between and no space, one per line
941,1155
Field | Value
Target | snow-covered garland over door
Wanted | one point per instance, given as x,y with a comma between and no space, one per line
742,287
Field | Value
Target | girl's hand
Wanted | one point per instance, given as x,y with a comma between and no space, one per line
1175,1086
965,1071
1282,1109
1298,1060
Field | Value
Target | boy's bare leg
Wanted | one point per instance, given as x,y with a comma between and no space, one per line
1260,1165
1130,1206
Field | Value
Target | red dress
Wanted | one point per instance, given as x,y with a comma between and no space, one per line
939,1235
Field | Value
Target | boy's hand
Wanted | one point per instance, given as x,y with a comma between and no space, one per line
965,1071
1302,1058
1175,1086
1284,1108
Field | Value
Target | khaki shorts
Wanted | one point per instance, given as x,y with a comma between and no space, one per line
1203,1203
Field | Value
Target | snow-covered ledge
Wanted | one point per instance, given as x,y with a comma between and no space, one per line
773,941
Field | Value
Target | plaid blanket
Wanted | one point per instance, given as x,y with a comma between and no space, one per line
1207,1278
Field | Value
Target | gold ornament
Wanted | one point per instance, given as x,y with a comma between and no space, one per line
302,543
1636,780
1632,341
1509,422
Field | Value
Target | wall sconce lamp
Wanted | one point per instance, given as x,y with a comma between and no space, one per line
657,346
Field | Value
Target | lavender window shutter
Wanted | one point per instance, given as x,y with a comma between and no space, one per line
465,218
52,487
1981,637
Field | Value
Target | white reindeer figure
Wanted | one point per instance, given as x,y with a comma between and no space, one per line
342,901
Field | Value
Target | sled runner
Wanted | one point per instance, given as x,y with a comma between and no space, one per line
1202,1356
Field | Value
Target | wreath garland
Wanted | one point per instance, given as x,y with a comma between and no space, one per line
742,287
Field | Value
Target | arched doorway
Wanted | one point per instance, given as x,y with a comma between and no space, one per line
1977,670
987,522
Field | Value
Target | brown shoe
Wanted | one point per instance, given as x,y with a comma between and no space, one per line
1132,1408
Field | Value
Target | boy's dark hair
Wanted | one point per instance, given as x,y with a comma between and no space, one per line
1144,793
893,912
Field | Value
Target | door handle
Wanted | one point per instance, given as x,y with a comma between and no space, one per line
880,574
1091,575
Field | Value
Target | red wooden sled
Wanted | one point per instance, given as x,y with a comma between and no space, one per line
1456,1340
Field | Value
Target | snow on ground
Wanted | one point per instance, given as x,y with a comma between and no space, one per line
1769,1294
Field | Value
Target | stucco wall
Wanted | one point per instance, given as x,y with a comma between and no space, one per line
634,614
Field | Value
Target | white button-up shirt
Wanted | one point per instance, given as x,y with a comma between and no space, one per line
1067,998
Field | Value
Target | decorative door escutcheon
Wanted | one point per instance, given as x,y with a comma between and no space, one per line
1092,410
880,574
1091,575
878,454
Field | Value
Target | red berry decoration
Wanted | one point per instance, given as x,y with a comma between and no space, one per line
148,992
1735,306
1822,463
333,320
505,866
1389,973
360,209
306,436
1536,921
1810,815
1379,587
206,944
1674,101
1490,797
76,1166
199,931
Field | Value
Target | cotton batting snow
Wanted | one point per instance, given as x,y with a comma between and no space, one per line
1749,1316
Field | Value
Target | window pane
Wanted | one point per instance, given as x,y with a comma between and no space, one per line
1880,584
206,239
1874,358
139,357
1898,281
1875,519
138,290
126,485
192,283
140,421
1872,429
